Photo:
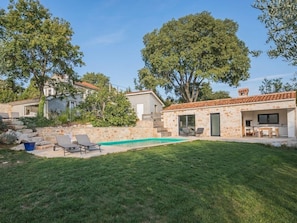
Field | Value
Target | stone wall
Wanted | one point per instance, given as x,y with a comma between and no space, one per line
5,108
230,121
143,129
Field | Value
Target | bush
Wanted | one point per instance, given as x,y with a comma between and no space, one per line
66,117
3,126
33,122
8,138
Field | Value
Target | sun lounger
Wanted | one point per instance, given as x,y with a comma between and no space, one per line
84,141
15,115
4,115
64,142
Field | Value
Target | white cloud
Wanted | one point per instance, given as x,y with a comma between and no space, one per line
272,76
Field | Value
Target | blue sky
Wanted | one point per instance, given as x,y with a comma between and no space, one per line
110,34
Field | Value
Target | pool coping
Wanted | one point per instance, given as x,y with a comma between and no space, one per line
106,149
49,153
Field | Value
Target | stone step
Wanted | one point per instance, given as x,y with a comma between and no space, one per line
162,130
36,139
16,127
165,134
46,146
16,122
26,131
32,134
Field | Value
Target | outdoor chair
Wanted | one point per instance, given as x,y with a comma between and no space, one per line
15,115
185,131
84,141
4,115
64,142
199,131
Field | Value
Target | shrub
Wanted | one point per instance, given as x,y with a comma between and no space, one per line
33,122
3,126
8,138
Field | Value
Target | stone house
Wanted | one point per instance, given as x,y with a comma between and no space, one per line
271,115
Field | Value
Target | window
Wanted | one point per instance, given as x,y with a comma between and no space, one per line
268,118
248,123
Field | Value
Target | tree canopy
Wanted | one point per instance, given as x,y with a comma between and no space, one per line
108,108
185,53
280,18
30,92
35,44
98,79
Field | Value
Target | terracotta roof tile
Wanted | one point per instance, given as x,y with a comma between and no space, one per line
234,101
86,85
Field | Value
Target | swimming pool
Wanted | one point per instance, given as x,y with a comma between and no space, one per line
142,142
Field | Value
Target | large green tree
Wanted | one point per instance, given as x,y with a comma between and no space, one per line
185,53
280,19
35,44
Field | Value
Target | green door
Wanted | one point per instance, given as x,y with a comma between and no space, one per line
215,124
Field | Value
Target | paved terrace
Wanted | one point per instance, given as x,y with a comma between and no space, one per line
59,152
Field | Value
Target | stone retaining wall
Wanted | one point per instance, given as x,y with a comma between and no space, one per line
143,129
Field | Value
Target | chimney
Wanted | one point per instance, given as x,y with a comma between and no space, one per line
243,92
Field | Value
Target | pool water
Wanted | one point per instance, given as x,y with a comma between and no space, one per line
142,142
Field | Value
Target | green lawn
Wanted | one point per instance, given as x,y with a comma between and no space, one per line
197,181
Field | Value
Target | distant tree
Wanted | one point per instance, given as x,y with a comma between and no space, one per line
9,91
128,89
192,50
30,92
280,19
291,85
6,93
34,44
98,79
271,86
276,85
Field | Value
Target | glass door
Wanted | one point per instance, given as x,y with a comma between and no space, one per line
186,125
215,124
